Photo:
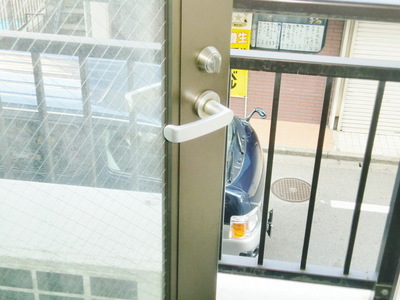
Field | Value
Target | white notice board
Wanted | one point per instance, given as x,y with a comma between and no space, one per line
302,37
268,35
290,36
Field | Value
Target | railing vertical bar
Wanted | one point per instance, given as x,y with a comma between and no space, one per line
270,161
20,10
130,65
364,175
87,114
10,15
48,161
14,15
2,13
389,258
317,167
133,127
6,160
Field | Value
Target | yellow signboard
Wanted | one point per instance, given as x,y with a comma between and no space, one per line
239,80
240,39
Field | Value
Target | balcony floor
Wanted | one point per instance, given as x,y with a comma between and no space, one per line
238,287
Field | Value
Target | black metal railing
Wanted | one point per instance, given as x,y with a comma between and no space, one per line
81,50
374,10
386,276
16,14
331,68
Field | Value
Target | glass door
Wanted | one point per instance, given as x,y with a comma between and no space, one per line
101,197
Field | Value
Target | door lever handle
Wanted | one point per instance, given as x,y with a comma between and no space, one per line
213,116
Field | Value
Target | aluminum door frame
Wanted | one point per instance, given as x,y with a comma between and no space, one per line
195,169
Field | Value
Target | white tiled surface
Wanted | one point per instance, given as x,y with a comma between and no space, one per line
349,142
237,287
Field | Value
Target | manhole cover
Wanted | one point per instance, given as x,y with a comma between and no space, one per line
291,189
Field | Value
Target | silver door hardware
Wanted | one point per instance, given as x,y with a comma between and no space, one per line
209,60
213,117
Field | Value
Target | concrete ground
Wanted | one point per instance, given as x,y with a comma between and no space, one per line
337,190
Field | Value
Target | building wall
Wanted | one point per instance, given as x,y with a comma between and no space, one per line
378,41
301,95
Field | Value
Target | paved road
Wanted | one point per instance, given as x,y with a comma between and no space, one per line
333,213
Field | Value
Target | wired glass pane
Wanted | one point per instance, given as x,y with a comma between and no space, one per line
81,149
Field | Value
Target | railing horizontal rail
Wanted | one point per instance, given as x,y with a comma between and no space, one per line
290,271
74,45
317,65
371,10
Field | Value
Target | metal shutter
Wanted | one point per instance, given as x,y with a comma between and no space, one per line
372,40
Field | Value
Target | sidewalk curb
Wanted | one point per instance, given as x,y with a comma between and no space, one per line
337,155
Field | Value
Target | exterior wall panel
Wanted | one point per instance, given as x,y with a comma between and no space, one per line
372,40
